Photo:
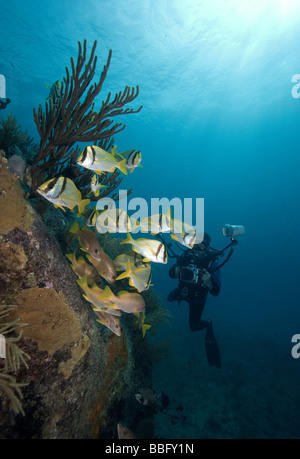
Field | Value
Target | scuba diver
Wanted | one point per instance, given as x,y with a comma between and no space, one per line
198,273
195,270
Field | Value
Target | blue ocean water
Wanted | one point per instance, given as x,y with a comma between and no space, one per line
219,122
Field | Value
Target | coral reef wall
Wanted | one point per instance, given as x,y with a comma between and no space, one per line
78,371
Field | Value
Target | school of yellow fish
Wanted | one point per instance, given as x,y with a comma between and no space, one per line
97,270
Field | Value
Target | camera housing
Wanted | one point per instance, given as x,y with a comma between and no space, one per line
190,274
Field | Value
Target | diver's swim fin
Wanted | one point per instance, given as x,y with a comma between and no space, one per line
212,349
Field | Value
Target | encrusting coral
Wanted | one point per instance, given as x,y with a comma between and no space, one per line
14,209
70,117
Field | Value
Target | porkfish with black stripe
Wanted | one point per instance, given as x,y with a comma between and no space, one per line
152,250
133,157
62,192
139,278
96,159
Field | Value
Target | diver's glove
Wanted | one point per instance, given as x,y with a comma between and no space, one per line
206,279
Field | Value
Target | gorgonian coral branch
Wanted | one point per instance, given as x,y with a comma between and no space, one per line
71,117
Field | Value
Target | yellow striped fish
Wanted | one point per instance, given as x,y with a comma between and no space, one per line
82,268
96,185
136,261
124,301
139,278
110,321
62,192
99,160
89,217
93,295
133,157
151,249
113,221
141,322
87,239
158,223
183,233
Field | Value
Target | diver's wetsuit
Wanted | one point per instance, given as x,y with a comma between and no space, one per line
194,294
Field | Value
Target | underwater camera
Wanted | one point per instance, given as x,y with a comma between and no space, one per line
233,230
190,274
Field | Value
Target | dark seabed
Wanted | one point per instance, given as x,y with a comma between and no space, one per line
255,395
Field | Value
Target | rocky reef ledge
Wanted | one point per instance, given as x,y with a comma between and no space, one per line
79,376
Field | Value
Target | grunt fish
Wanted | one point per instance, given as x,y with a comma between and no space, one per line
99,160
133,159
62,192
151,249
88,240
55,92
89,217
110,321
93,295
96,185
124,301
105,267
141,322
139,278
113,221
82,268
159,223
135,259
184,233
